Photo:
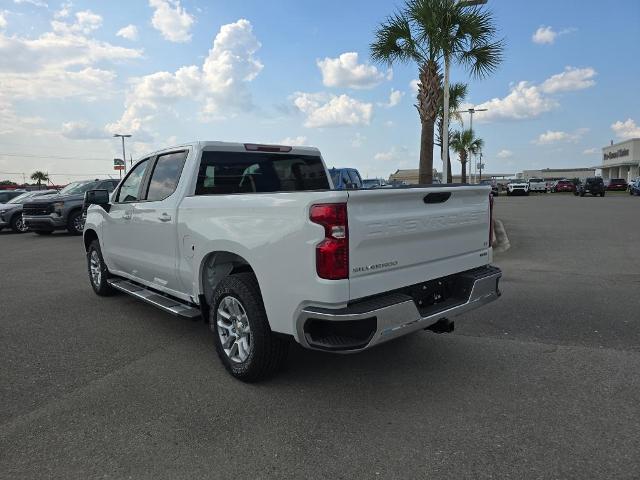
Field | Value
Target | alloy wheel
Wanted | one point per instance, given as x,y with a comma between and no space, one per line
95,267
234,329
21,226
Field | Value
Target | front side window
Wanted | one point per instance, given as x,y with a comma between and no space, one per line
129,191
166,175
243,172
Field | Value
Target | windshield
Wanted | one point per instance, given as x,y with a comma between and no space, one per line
21,198
77,187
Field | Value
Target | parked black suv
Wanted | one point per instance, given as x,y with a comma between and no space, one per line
592,185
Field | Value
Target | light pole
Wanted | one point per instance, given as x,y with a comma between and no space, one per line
124,158
471,111
445,126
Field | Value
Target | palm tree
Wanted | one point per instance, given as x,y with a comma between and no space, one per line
457,94
431,33
465,143
39,177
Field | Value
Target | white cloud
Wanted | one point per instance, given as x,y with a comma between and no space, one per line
345,71
413,86
358,140
64,12
3,21
89,83
546,35
60,63
591,151
528,100
395,155
626,129
524,101
170,19
505,154
551,136
571,79
294,141
86,22
220,84
324,110
394,99
130,32
82,131
35,3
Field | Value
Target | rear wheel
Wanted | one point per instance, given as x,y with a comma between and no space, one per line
602,194
75,225
18,225
247,347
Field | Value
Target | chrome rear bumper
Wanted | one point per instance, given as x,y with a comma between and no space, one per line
397,314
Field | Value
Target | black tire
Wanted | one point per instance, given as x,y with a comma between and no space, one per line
99,285
602,194
75,225
18,225
43,232
582,194
268,352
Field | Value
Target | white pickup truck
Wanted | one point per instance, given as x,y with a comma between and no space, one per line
254,239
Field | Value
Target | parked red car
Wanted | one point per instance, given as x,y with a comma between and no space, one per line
617,184
564,186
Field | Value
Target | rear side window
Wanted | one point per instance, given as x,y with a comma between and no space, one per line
243,172
165,176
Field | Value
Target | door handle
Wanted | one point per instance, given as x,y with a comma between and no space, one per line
127,215
165,217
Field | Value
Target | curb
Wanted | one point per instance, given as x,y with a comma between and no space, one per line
501,243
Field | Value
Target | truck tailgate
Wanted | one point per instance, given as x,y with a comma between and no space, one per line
400,237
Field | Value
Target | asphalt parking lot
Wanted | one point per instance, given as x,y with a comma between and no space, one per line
544,383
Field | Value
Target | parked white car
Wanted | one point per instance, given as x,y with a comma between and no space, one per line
538,185
255,238
518,187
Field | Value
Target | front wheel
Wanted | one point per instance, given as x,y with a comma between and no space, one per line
98,271
75,223
247,347
18,225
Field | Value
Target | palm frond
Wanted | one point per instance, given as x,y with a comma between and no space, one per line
394,42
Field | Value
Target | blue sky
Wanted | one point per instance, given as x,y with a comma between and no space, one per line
73,73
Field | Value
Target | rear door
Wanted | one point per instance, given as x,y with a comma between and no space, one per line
399,237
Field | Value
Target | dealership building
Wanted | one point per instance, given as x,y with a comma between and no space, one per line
558,173
621,160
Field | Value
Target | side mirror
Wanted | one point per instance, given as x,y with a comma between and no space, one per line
97,197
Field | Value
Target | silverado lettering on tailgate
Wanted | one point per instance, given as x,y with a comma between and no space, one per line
425,224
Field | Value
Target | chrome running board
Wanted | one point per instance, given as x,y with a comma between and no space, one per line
168,304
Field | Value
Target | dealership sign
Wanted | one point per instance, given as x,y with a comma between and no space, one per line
118,164
622,152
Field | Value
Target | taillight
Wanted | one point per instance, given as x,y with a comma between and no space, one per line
332,254
490,219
